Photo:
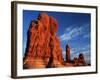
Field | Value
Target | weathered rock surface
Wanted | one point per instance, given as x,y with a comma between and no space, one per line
43,46
68,53
80,61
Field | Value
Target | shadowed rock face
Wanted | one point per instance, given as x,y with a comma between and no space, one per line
80,61
43,47
68,51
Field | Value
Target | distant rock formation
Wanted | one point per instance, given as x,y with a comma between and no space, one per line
43,46
68,52
80,61
75,61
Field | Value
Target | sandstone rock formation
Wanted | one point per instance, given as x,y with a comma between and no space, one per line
80,61
75,61
43,47
68,52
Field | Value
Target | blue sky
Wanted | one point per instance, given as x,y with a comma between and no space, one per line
73,29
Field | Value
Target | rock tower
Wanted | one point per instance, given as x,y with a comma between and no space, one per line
43,46
68,52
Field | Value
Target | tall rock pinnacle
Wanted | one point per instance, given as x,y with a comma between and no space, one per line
43,47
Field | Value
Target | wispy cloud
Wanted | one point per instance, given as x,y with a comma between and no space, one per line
69,28
71,34
73,31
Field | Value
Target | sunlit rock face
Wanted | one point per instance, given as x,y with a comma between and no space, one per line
43,46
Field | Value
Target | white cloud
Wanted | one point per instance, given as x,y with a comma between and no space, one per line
69,28
73,31
71,34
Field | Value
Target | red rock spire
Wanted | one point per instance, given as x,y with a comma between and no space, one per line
43,46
